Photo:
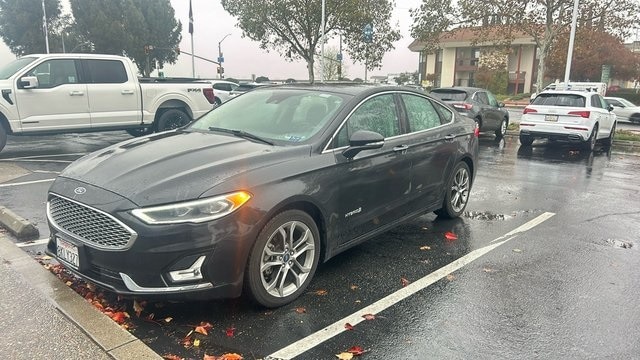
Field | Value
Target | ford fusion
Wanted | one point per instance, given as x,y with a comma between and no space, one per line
255,194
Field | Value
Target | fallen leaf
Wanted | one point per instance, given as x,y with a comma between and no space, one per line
203,328
120,317
369,316
517,250
171,357
348,326
321,292
137,307
300,310
358,301
168,319
231,331
186,342
451,277
450,236
404,282
345,356
425,228
196,342
487,269
425,247
354,287
356,350
209,357
69,283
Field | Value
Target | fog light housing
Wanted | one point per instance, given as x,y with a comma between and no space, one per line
191,273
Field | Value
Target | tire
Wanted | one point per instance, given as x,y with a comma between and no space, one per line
172,119
609,140
3,137
217,101
502,130
590,144
635,118
526,140
278,271
457,192
140,131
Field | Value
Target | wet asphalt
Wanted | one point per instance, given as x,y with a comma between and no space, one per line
565,288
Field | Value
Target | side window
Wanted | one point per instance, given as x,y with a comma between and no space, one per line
445,114
492,100
376,114
420,113
603,102
597,102
482,98
56,72
614,103
106,71
222,86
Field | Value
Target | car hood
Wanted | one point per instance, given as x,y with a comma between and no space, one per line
175,166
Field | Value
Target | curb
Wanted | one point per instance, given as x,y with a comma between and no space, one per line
17,225
109,336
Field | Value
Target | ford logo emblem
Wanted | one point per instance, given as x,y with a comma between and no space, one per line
79,190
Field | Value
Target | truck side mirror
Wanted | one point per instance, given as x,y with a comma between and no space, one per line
28,82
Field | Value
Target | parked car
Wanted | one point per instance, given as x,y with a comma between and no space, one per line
257,192
45,94
243,88
223,90
478,104
624,109
576,116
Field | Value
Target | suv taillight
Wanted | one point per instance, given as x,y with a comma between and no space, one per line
208,93
529,110
583,113
461,106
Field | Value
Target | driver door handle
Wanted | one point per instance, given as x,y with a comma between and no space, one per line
401,148
127,92
449,138
76,93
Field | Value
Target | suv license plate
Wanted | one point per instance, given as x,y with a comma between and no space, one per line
67,252
553,118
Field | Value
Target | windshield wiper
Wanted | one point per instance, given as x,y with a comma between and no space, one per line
242,134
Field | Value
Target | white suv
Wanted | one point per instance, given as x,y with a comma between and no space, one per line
222,90
576,116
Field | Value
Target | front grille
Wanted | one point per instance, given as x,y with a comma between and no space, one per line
90,225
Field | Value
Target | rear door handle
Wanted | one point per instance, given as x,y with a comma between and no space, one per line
127,92
449,137
401,148
76,93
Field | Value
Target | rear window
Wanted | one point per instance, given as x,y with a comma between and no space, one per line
570,100
449,95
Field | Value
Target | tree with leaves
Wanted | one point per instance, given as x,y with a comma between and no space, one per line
127,27
333,69
21,26
592,49
295,27
542,20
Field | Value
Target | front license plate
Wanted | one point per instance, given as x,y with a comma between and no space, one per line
553,118
67,252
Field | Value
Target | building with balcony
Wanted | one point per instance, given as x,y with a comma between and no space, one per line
458,59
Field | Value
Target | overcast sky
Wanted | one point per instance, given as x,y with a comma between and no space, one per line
244,57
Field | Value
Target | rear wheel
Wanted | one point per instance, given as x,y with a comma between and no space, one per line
172,119
217,101
3,137
457,192
526,140
502,130
283,259
590,144
140,131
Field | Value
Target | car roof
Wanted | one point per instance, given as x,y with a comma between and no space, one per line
568,92
468,89
347,88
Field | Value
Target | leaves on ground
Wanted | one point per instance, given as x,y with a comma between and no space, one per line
450,236
138,307
345,356
451,277
404,282
320,292
353,287
369,316
171,357
425,247
300,310
356,350
227,356
230,331
203,328
348,326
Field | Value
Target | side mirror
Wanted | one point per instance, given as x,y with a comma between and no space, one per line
500,104
28,82
610,107
363,140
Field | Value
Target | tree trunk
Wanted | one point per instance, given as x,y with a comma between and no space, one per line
545,48
310,69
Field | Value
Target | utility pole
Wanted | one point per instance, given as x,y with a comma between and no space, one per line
322,45
574,21
44,26
221,58
340,59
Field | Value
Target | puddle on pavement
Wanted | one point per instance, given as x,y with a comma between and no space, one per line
485,215
620,244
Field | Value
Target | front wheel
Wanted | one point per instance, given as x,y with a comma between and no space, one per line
502,130
283,259
3,137
457,192
172,119
590,144
140,131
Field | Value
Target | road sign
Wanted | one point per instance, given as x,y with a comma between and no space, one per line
221,59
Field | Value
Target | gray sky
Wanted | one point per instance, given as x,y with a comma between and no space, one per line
244,57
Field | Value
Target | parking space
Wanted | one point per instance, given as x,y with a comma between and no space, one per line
430,294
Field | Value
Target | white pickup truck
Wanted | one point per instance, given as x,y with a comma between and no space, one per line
70,93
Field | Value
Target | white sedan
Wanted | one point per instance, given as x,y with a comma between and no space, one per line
575,116
624,109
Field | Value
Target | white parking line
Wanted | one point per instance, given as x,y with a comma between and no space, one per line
309,342
25,183
32,243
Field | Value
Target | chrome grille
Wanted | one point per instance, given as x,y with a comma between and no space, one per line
90,225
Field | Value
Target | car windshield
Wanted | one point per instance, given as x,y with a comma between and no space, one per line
13,67
281,115
626,102
449,95
571,100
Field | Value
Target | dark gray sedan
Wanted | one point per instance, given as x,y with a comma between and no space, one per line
479,104
259,191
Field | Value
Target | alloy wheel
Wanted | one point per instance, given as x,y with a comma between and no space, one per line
460,189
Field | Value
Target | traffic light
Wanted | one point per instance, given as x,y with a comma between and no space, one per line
220,70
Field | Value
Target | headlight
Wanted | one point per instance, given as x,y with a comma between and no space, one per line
195,211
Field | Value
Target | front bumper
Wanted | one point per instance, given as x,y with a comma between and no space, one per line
177,261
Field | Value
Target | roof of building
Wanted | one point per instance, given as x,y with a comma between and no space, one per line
459,36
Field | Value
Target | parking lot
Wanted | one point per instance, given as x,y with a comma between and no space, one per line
544,264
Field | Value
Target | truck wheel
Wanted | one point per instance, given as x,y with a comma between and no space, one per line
140,131
3,137
172,119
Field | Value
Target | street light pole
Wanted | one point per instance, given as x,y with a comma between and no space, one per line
44,27
567,70
220,58
322,44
